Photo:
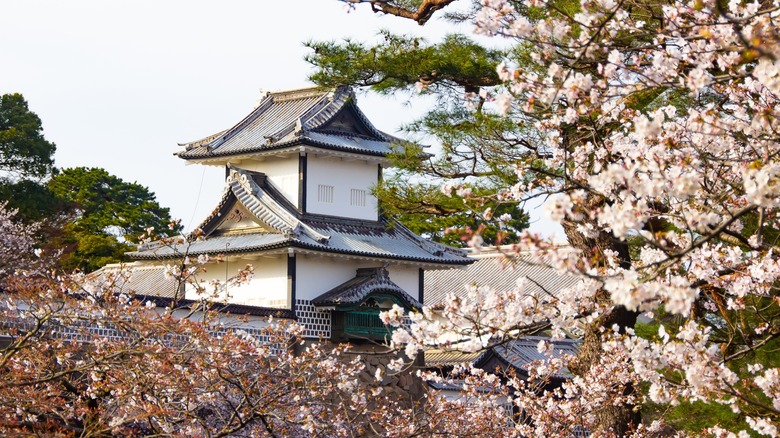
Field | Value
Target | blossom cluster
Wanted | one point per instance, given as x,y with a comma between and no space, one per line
661,125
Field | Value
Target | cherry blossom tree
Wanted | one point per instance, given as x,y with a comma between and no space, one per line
653,128
85,355
16,242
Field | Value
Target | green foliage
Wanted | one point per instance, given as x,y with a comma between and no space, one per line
24,152
106,213
26,158
477,146
90,215
88,252
693,417
427,211
400,61
34,201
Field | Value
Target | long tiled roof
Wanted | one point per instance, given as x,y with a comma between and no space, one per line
499,271
377,241
142,279
291,229
299,117
517,354
356,290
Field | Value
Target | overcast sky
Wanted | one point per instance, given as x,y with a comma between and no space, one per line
118,83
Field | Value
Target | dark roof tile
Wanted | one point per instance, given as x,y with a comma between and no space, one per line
290,118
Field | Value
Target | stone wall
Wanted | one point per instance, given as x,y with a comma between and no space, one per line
404,385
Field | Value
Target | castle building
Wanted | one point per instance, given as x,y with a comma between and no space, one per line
298,206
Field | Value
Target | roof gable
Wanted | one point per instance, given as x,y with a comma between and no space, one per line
249,198
239,220
348,122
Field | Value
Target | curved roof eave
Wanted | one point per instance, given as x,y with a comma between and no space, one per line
292,243
276,147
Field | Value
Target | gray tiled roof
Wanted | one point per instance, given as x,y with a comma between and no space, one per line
286,119
214,245
498,271
347,143
360,240
380,239
519,353
356,290
147,280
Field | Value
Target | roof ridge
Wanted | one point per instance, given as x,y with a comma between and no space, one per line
298,93
287,118
268,98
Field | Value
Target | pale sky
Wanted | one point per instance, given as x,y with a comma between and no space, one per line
118,83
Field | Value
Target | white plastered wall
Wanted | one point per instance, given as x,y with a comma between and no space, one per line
267,288
343,176
315,275
408,277
282,171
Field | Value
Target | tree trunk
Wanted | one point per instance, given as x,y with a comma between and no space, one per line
611,420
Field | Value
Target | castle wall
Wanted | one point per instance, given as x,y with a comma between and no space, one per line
267,288
282,172
315,275
342,188
408,277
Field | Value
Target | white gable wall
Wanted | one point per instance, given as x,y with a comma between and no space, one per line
338,187
283,173
267,288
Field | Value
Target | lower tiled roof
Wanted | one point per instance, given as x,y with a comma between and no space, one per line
378,241
218,244
520,353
